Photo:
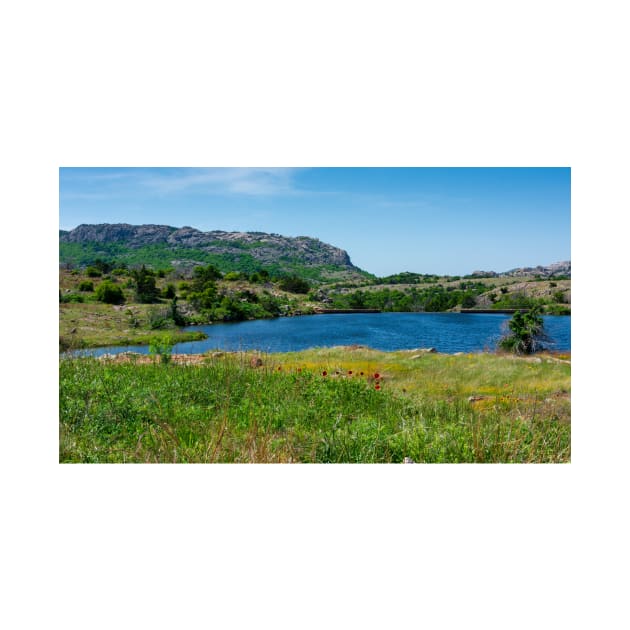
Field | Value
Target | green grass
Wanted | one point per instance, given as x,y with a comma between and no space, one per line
223,410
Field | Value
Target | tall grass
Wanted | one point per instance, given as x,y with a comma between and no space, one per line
226,411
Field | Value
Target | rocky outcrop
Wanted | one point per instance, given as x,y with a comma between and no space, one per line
266,248
555,269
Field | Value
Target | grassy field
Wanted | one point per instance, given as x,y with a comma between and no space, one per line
346,404
93,325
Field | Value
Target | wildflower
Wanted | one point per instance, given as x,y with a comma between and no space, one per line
377,375
361,374
377,386
279,367
349,372
324,373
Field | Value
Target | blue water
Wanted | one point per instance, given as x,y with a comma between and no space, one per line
446,332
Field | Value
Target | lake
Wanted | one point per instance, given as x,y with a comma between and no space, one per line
446,332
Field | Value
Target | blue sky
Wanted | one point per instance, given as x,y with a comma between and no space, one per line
427,220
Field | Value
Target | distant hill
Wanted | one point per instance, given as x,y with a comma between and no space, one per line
555,269
163,245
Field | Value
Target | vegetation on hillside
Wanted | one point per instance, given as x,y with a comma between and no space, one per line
121,305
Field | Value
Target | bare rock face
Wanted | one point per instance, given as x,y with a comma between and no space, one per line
555,269
132,235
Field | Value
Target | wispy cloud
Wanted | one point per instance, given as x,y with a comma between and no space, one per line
244,181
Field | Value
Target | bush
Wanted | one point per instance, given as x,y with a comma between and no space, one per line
294,284
205,299
71,297
86,286
205,276
109,293
232,276
526,334
93,272
158,318
169,292
162,346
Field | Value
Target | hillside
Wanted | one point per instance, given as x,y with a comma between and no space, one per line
183,248
554,270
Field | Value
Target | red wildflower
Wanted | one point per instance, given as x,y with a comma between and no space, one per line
349,372
377,375
324,373
279,367
377,386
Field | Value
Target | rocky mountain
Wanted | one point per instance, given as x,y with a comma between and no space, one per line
183,246
555,269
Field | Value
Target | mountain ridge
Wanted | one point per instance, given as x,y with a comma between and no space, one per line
261,248
187,245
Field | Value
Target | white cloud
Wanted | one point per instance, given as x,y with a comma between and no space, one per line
248,181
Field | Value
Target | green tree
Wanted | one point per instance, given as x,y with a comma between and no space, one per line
206,299
144,280
169,291
109,293
526,334
176,316
203,276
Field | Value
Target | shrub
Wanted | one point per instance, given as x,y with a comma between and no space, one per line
71,297
294,284
162,346
205,276
232,276
559,297
86,285
158,318
205,299
169,292
109,293
526,334
93,272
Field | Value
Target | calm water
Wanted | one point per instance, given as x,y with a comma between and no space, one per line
446,332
